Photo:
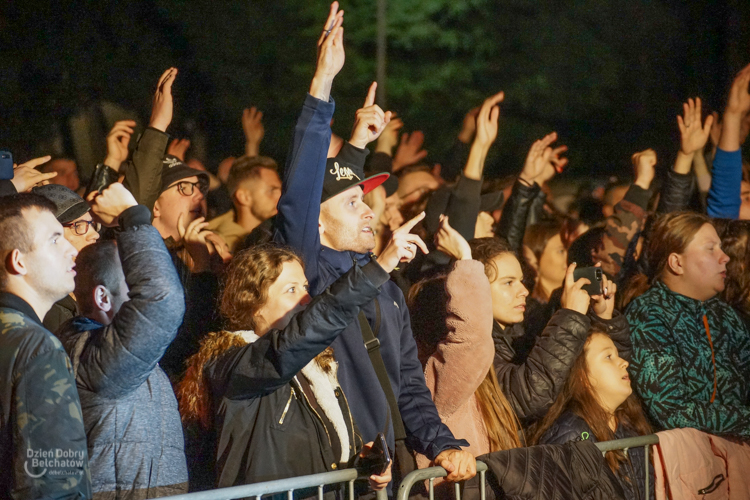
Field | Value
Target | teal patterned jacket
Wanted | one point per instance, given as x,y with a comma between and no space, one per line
672,370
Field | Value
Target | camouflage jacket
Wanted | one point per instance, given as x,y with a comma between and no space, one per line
42,439
622,228
672,367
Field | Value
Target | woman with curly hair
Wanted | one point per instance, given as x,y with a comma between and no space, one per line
267,388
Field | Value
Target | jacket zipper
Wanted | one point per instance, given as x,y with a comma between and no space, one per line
315,412
351,419
286,408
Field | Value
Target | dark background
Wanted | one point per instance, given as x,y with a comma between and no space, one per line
609,76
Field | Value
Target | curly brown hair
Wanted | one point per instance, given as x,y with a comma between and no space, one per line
248,278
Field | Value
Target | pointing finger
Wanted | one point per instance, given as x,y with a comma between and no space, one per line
371,95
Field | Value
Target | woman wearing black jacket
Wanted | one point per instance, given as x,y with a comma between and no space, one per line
268,389
532,379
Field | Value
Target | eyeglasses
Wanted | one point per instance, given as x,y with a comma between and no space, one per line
81,227
188,188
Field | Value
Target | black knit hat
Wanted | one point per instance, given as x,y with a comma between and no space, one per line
173,169
341,175
70,206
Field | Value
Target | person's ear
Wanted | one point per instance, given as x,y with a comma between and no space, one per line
674,263
157,210
243,197
102,298
14,263
321,227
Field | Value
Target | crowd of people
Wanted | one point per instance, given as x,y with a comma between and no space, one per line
166,329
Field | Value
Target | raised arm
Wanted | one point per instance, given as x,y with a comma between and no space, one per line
271,361
299,205
123,356
724,195
694,134
467,350
540,160
143,177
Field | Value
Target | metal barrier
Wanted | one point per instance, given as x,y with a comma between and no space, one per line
432,473
344,477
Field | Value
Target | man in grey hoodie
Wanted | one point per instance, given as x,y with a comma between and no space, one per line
131,303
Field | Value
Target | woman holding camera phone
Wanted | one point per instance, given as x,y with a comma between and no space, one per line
267,389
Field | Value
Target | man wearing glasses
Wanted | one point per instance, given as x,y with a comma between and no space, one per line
80,230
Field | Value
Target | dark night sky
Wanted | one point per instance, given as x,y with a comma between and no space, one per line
609,76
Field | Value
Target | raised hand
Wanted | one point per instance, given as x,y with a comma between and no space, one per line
106,206
162,109
469,126
370,121
644,163
117,143
540,156
26,176
197,244
486,120
389,138
330,54
409,150
693,133
402,246
450,241
574,297
738,106
178,148
252,126
604,304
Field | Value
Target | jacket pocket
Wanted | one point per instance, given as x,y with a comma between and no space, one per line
284,409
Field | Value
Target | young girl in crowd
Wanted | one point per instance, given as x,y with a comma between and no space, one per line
597,403
267,389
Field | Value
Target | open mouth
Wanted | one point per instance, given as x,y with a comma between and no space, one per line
367,229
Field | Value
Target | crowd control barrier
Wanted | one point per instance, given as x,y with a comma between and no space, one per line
431,473
344,478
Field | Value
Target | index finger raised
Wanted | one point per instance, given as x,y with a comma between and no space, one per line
36,162
409,225
370,100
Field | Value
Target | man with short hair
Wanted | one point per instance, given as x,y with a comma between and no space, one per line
131,304
40,412
255,189
80,230
322,215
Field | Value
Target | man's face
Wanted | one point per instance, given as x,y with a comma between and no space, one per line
172,203
50,263
345,222
265,193
704,264
72,230
67,173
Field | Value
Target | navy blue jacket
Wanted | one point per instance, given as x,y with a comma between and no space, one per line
297,226
571,427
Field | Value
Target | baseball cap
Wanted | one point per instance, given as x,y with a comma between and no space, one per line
173,169
70,206
341,175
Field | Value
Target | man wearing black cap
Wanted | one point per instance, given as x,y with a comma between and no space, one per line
322,216
80,230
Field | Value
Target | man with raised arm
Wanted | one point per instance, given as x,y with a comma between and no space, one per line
131,304
322,215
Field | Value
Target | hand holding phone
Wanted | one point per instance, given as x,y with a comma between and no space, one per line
594,275
375,460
